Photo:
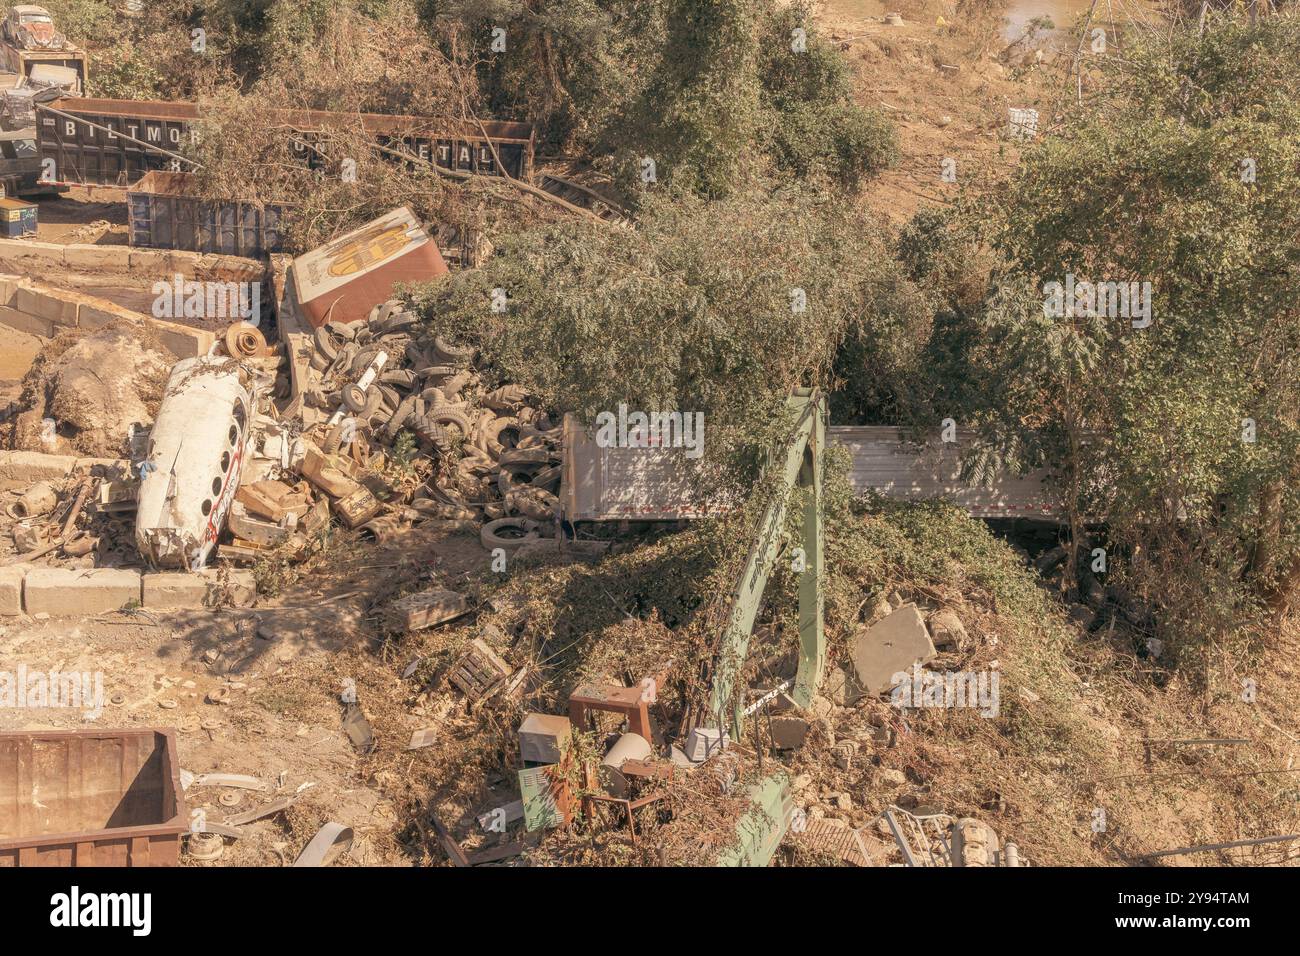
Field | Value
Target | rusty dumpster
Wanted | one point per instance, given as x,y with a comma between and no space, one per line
90,798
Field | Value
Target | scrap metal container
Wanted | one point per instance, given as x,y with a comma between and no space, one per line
164,213
90,798
114,142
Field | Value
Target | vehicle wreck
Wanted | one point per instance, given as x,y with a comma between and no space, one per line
196,454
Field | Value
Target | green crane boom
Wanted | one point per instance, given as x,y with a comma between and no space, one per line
802,468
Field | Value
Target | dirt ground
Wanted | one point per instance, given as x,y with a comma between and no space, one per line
253,692
84,215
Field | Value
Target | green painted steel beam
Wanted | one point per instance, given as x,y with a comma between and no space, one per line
801,467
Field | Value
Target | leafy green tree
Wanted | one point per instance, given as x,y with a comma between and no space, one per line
1184,434
718,307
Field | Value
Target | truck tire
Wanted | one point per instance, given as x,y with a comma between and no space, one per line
508,533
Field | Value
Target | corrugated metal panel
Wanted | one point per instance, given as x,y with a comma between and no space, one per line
885,461
608,484
603,484
106,798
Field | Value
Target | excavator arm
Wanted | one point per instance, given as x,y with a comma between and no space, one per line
801,466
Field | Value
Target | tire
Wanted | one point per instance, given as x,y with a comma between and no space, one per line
324,344
430,431
364,357
437,371
397,322
456,354
527,456
448,415
355,398
344,330
334,440
491,436
404,412
508,533
402,378
548,479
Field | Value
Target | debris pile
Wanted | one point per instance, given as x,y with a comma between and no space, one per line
387,387
88,397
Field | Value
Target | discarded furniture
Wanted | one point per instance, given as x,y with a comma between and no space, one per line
477,669
630,702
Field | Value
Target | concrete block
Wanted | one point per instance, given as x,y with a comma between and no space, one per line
788,733
173,589
237,586
8,289
20,469
59,309
29,249
183,342
97,258
24,322
11,589
97,316
155,262
890,646
69,591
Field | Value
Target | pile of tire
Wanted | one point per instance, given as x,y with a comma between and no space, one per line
498,456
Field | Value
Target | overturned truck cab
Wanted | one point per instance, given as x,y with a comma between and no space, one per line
195,456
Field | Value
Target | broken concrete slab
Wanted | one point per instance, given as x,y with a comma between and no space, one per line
21,469
890,646
788,733
11,589
169,589
66,591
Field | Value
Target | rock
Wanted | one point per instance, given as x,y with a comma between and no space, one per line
841,688
845,752
788,733
886,777
947,630
801,782
843,801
